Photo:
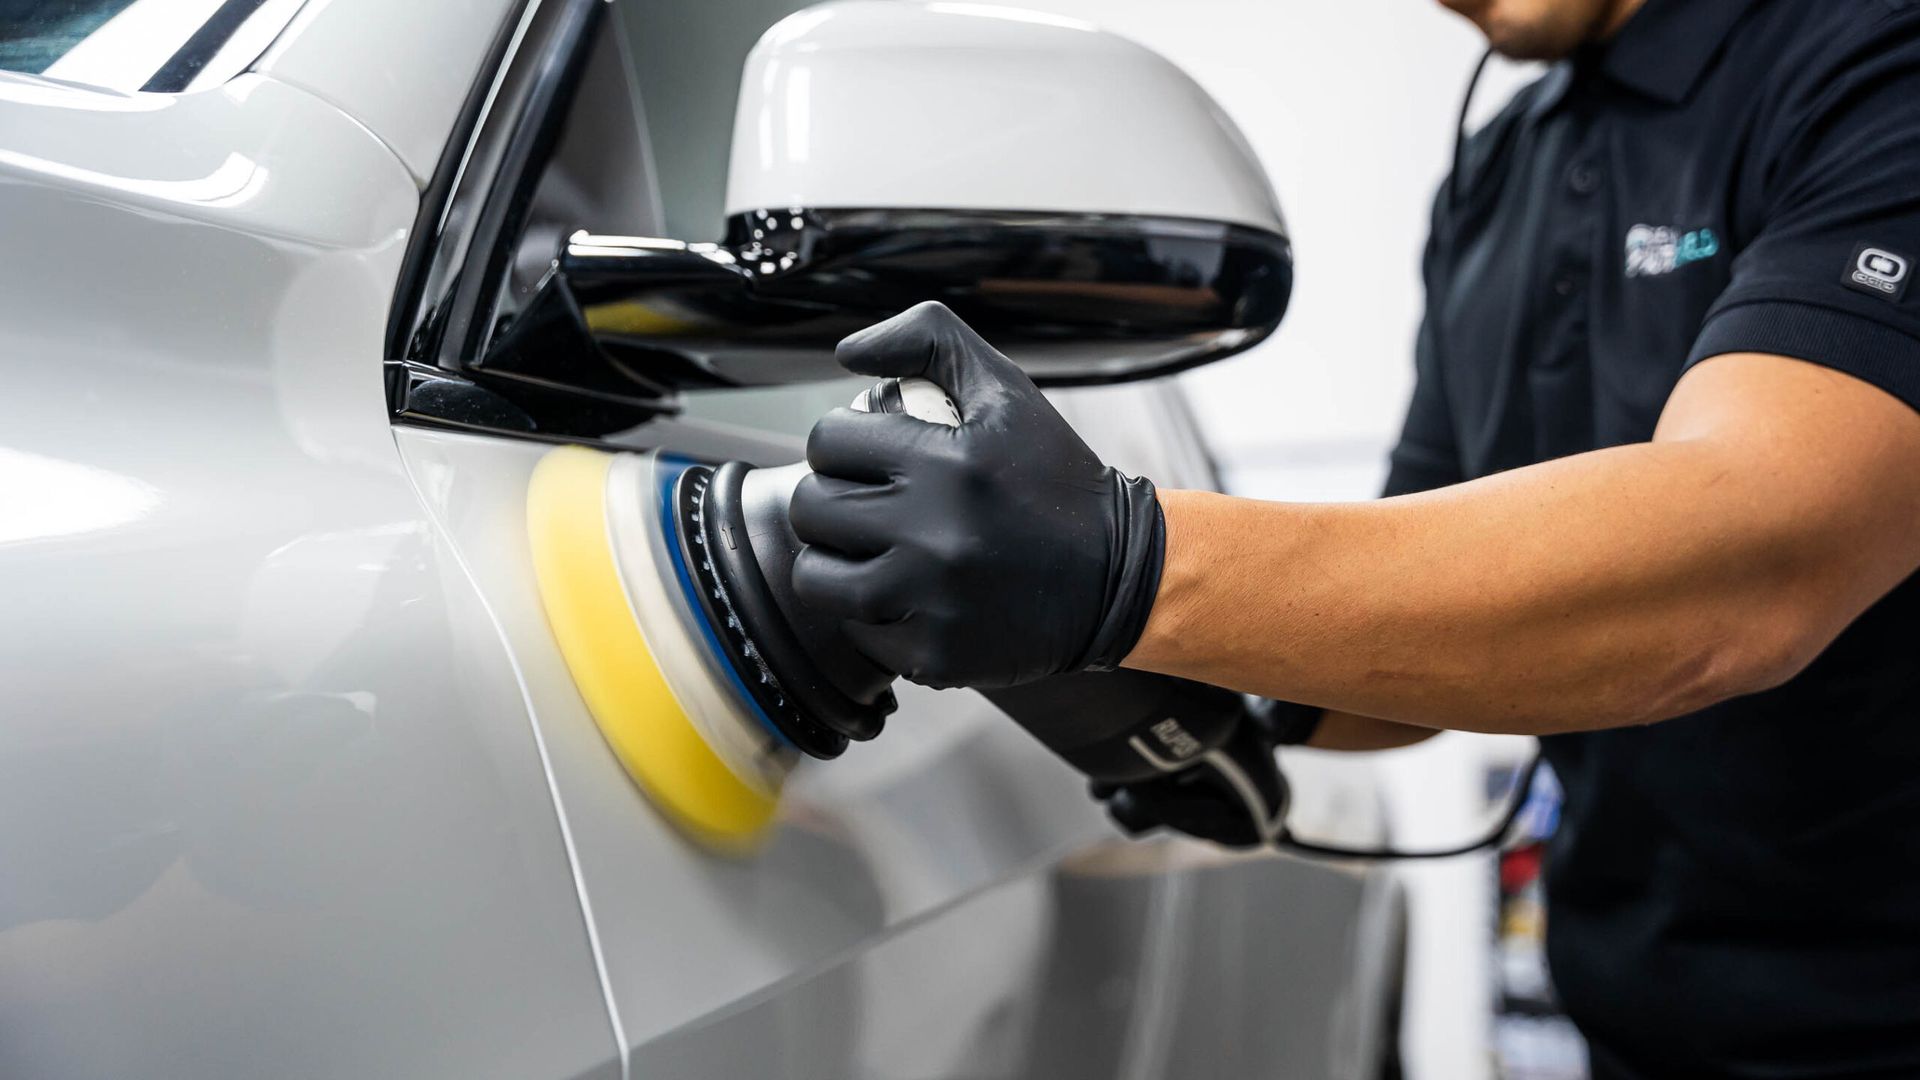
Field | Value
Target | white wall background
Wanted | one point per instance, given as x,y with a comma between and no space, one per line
1351,106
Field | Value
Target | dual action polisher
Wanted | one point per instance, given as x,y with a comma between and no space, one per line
668,585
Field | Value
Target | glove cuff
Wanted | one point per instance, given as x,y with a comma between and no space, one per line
1133,571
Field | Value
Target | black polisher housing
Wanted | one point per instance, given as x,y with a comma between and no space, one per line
799,666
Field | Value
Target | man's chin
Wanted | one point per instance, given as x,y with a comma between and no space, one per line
1526,43
1526,51
1525,36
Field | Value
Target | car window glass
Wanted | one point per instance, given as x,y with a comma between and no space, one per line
687,56
158,46
34,34
644,152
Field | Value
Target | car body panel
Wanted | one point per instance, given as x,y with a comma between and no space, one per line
267,806
406,80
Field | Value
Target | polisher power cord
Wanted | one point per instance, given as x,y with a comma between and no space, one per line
1492,838
1220,781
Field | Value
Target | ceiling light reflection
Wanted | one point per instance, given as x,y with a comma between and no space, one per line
237,179
46,497
1011,14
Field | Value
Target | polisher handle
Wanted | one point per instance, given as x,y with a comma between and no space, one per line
1123,726
1194,757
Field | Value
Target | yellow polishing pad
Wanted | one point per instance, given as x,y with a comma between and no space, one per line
618,674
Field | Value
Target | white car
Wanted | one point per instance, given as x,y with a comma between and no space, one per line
293,778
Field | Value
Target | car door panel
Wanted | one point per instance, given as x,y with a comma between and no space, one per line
263,810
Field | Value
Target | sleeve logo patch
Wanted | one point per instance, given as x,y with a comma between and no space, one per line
1879,272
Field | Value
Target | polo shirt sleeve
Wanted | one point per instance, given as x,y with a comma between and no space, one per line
1829,275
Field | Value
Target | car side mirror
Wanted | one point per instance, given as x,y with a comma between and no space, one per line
1074,196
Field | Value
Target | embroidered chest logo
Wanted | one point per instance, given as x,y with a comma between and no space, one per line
1661,249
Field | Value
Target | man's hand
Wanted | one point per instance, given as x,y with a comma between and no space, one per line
989,554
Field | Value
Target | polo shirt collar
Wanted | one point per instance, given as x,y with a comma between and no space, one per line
1667,45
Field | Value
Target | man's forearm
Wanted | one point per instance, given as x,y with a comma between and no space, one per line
1572,599
1617,587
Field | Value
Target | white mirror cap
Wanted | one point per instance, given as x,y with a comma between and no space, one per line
893,104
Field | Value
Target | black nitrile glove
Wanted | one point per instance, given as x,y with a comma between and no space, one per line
990,554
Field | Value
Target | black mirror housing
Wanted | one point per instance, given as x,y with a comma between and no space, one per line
1075,299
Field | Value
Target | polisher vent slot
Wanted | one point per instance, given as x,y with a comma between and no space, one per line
810,736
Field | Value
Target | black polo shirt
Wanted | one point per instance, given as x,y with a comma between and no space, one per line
1735,892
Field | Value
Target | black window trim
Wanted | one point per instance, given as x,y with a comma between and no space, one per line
472,208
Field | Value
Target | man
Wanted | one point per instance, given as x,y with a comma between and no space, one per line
1657,501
